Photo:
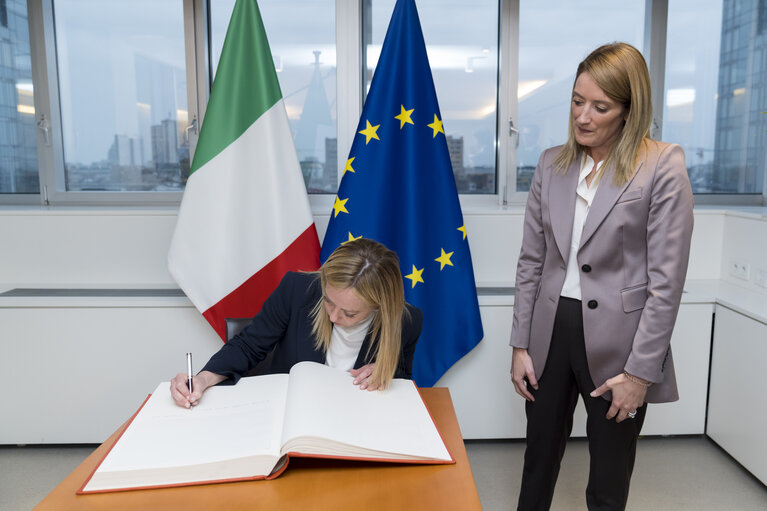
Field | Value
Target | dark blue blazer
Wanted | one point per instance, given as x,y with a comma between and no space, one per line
284,325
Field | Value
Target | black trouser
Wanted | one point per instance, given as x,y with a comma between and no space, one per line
612,445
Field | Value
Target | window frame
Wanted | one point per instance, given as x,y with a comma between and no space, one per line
350,94
508,108
349,90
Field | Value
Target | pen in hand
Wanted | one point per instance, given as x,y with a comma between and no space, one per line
189,372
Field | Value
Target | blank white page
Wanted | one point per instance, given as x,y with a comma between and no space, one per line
229,422
322,402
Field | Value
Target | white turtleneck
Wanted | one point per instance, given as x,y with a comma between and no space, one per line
345,344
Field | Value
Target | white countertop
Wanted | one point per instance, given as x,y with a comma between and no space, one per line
92,295
745,301
740,299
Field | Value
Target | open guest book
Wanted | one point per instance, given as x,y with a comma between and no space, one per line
249,430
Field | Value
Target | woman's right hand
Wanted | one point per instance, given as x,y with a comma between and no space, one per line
521,368
179,387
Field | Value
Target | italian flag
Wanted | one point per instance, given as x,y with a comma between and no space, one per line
244,218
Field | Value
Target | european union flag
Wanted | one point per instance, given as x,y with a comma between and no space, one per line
398,188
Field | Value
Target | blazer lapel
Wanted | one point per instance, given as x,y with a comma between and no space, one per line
604,200
562,206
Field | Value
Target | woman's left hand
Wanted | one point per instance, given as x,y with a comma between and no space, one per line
628,396
362,377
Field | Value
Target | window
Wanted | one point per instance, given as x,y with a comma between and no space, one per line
740,134
99,99
715,93
462,45
691,82
548,59
302,39
123,95
18,143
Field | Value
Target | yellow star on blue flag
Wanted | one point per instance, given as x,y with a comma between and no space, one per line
404,195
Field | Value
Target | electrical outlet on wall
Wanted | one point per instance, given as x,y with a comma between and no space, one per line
760,277
739,269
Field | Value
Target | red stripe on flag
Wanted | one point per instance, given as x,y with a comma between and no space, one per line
245,301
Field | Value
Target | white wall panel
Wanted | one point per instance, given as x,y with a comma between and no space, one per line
42,248
744,241
106,247
706,246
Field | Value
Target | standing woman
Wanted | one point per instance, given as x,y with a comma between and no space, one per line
604,255
351,314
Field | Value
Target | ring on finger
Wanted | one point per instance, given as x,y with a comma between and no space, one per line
631,415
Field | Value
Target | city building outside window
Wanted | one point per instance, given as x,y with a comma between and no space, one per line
18,143
740,137
123,97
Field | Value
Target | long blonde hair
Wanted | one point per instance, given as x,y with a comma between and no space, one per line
372,270
621,72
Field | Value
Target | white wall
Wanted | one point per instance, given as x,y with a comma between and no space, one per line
706,249
123,247
81,248
745,242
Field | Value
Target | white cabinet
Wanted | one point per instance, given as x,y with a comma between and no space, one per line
74,374
488,407
691,346
480,383
737,408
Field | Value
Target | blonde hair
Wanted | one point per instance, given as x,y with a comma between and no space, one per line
372,270
621,72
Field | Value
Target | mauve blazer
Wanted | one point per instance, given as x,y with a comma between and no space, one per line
632,261
284,325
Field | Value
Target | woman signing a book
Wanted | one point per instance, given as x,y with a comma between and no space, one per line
351,314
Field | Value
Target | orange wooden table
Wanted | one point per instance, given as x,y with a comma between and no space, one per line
306,485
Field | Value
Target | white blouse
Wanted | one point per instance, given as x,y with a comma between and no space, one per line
345,344
584,197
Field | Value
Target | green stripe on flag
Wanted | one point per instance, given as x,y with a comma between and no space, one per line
245,86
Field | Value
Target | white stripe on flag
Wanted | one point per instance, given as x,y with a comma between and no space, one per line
240,211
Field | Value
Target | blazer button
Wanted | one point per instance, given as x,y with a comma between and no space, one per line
586,268
593,304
